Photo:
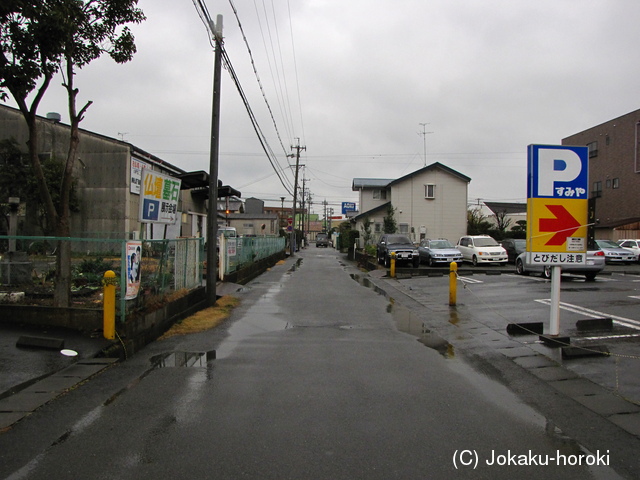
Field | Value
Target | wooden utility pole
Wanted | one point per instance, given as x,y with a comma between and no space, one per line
297,148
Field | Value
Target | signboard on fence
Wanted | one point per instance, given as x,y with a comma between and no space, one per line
159,198
134,259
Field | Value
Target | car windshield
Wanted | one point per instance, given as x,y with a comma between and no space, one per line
607,244
398,239
321,236
485,242
520,243
440,244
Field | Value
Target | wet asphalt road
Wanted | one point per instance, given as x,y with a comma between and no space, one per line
312,380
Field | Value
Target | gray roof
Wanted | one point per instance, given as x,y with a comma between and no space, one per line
360,183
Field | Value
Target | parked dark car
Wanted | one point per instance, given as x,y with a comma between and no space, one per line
404,249
322,240
514,247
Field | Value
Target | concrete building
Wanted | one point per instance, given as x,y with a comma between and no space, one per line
428,203
108,176
614,174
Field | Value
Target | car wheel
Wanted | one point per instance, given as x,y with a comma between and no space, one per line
416,263
432,263
546,272
387,261
590,277
520,268
474,260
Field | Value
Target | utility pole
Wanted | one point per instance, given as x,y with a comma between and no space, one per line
324,204
424,140
297,148
302,215
212,213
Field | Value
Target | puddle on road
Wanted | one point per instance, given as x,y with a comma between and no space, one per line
408,322
183,359
295,266
262,317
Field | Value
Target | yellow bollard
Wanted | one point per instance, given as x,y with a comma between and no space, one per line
109,305
453,283
392,271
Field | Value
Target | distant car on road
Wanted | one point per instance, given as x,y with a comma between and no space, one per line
438,251
322,240
613,253
481,249
594,265
631,244
514,247
404,249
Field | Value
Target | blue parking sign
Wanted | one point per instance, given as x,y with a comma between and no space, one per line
558,172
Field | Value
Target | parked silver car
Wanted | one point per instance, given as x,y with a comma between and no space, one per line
438,251
594,265
614,253
632,244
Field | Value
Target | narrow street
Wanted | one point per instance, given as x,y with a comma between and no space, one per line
312,379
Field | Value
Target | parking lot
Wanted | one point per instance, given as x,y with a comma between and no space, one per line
498,297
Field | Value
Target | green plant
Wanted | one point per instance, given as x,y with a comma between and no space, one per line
389,224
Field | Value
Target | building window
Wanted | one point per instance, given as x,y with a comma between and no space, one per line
377,228
608,183
430,191
380,194
597,190
403,228
593,149
616,183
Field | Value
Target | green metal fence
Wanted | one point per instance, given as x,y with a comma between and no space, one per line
238,252
147,270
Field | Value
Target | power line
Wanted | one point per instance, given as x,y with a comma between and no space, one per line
255,71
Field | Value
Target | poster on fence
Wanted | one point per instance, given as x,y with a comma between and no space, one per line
134,259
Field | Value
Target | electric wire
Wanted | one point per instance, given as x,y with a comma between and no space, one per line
255,71
206,19
295,68
284,180
276,76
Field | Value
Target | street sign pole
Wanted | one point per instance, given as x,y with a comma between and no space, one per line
557,213
554,319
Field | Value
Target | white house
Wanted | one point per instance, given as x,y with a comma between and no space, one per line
428,203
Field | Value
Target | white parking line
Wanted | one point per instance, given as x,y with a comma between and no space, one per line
469,280
627,322
637,297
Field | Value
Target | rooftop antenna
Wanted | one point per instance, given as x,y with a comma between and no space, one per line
424,140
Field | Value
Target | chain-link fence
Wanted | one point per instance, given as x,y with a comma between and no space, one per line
148,271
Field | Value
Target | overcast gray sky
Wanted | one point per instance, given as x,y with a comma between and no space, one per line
354,79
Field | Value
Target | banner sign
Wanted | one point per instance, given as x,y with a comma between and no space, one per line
159,199
136,175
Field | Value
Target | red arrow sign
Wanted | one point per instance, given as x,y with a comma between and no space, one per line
564,224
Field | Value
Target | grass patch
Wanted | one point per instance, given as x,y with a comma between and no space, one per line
205,319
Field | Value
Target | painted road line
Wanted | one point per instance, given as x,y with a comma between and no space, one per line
469,280
627,322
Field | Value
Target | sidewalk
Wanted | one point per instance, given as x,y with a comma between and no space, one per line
33,376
